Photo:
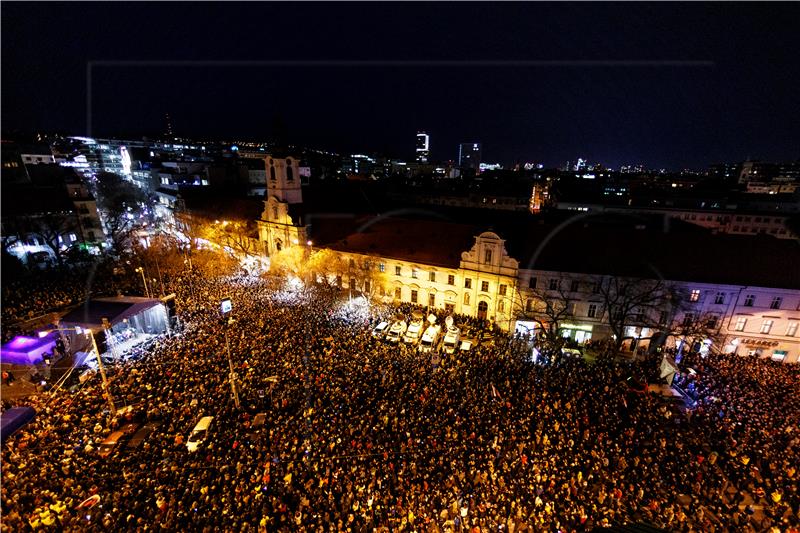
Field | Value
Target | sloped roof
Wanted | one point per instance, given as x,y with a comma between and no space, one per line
430,242
642,247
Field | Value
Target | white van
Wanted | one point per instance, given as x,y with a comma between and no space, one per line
414,332
199,433
451,339
380,330
430,339
396,332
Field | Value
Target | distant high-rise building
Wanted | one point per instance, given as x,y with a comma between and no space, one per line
423,147
169,133
469,156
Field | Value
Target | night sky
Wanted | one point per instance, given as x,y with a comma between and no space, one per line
737,96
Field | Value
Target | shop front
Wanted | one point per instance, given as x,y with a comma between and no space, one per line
579,333
783,352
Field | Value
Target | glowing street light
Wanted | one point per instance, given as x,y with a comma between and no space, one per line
144,280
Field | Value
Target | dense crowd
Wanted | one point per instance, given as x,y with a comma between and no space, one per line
366,436
34,293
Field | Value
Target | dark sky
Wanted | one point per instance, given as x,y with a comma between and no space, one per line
743,103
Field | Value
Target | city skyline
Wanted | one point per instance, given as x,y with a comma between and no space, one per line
667,86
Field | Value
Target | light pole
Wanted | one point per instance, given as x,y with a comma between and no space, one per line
100,367
144,280
226,308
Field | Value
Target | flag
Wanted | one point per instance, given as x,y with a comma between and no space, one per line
668,369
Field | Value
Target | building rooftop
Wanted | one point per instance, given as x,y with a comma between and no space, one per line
642,246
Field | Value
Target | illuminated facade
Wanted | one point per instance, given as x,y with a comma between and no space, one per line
469,156
423,150
281,224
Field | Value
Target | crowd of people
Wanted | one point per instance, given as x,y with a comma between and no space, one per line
35,293
365,436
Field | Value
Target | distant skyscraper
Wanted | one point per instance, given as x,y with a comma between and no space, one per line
168,131
469,156
423,147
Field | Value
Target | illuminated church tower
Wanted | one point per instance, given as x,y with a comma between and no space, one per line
281,226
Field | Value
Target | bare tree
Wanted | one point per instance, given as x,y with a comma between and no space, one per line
238,237
51,227
123,208
636,302
548,309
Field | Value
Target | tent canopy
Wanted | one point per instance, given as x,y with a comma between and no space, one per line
91,314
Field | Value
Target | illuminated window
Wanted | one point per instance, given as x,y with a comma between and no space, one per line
749,299
431,300
466,299
791,331
381,267
484,286
414,273
776,303
766,326
695,295
397,271
413,296
502,290
432,276
451,279
592,312
740,324
719,298
467,283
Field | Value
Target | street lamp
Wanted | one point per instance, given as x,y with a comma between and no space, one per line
144,280
226,307
90,334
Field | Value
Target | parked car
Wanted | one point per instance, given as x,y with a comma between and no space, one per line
142,434
199,433
108,445
380,330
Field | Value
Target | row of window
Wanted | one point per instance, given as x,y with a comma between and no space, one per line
451,279
749,299
766,326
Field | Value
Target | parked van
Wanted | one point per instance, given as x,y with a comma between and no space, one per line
380,330
396,332
414,331
199,433
451,340
430,339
